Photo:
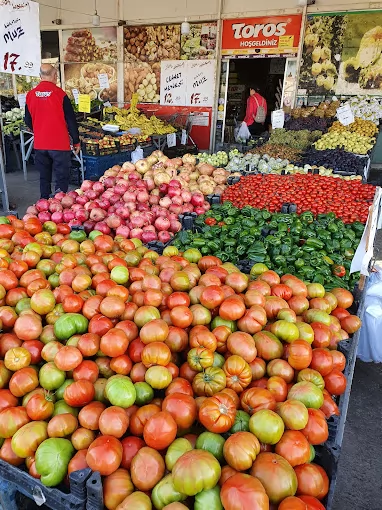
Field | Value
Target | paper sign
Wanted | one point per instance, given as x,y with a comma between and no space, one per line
278,118
22,100
103,80
20,40
75,95
200,119
200,82
173,82
345,115
107,104
184,137
84,103
171,140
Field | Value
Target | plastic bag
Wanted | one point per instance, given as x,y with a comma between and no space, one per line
137,155
243,133
370,343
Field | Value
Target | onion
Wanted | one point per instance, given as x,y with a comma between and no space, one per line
163,188
81,199
177,209
186,196
102,227
91,194
142,196
173,192
187,208
114,199
121,188
149,228
177,200
97,214
44,216
57,217
175,226
161,211
154,199
197,199
129,196
136,221
150,183
98,187
67,202
109,182
60,195
76,207
162,223
123,231
68,216
199,210
122,212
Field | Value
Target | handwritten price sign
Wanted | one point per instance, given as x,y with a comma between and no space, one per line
20,42
200,82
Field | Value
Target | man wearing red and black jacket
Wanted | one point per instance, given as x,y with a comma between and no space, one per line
49,114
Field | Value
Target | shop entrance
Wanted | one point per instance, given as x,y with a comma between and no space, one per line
240,73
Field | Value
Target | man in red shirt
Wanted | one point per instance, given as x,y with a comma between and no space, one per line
50,115
256,111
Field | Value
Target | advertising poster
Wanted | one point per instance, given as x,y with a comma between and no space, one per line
84,78
200,83
342,54
20,39
274,35
200,43
173,88
90,44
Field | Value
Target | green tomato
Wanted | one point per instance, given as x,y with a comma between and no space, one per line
120,391
51,377
219,360
212,443
61,407
54,280
70,324
241,423
60,391
50,226
28,438
267,426
164,493
176,449
23,304
52,460
218,321
94,234
195,471
307,393
145,393
208,499
78,235
258,269
312,454
136,242
4,220
120,274
192,255
286,331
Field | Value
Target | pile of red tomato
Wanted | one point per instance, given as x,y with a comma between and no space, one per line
349,200
185,384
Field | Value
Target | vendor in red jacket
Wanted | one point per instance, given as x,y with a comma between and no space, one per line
256,112
49,114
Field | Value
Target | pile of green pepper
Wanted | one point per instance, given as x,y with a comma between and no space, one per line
316,249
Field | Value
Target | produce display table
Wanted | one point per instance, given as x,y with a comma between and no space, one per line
26,145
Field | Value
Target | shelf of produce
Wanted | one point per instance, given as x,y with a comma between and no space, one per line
13,479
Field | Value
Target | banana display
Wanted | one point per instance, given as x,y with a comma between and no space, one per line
132,118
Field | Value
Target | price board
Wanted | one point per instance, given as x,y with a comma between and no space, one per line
200,82
173,82
20,40
278,118
345,115
84,103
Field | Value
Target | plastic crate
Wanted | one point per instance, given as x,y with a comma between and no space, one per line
14,479
95,166
94,491
328,457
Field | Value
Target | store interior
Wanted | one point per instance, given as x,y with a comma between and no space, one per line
266,73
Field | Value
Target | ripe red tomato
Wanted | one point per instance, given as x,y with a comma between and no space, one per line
182,408
160,430
79,393
104,455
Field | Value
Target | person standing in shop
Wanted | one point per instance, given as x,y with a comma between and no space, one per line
256,112
50,115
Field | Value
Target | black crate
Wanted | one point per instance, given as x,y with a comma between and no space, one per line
214,199
158,246
14,479
94,492
328,457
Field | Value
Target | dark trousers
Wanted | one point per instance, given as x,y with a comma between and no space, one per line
256,129
46,162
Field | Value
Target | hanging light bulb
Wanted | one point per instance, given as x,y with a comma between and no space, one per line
96,19
185,27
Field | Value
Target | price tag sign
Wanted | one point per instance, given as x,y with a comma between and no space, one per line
84,103
107,104
184,137
171,140
75,95
345,115
103,80
278,118
22,98
20,39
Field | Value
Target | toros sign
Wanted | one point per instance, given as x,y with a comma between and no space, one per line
277,35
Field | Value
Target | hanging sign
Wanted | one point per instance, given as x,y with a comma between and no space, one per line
84,103
270,35
200,82
103,80
278,118
345,115
20,40
184,137
173,82
171,140
75,95
22,99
